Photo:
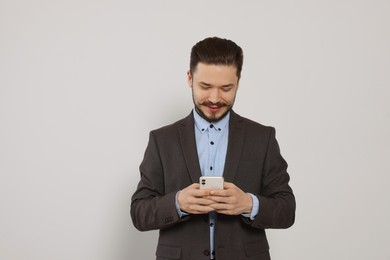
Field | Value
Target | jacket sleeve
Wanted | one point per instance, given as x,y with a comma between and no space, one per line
277,201
151,208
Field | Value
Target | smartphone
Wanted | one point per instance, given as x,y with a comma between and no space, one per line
211,182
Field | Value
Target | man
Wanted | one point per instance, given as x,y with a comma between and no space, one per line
223,224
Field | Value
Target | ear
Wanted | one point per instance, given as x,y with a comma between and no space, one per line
189,78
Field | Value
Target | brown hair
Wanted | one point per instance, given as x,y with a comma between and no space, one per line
217,51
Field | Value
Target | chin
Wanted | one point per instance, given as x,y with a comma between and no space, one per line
216,117
210,116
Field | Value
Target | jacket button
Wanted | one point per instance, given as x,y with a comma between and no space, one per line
206,252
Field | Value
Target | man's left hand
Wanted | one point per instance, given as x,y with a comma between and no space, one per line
231,200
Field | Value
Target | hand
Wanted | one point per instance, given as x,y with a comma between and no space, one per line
194,200
231,200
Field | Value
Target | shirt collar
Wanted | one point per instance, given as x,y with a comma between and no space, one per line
203,125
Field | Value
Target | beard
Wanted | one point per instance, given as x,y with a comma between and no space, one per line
213,117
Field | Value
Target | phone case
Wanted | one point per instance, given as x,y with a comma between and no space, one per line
211,182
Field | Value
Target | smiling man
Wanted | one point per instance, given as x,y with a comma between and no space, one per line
223,224
214,89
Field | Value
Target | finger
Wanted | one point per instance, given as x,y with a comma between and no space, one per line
226,212
195,185
200,193
221,207
199,209
228,185
223,193
218,199
203,201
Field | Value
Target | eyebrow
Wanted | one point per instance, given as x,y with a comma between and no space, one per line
210,85
204,83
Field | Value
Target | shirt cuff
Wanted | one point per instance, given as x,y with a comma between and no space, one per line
255,208
179,212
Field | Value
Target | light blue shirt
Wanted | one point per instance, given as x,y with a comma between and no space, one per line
211,143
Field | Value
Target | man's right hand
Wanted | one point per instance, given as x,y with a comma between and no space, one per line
191,200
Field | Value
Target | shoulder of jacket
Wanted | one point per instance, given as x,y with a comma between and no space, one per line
252,124
171,128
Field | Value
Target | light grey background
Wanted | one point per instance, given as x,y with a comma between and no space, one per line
83,82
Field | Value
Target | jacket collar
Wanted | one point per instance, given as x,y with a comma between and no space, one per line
235,146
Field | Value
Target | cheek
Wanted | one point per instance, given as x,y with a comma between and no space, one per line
198,97
228,97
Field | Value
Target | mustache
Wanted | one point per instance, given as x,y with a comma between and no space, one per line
211,104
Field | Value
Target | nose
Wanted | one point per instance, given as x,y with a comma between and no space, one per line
214,96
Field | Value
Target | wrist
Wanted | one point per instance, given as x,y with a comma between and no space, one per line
248,204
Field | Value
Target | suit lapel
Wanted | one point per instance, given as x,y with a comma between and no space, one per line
187,140
235,146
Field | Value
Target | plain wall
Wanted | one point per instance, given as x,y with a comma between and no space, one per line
83,82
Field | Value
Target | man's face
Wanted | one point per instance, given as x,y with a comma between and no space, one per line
214,89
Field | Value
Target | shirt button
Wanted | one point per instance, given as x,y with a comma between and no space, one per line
211,168
212,143
211,224
206,252
211,126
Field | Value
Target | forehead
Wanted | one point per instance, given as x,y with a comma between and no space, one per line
215,74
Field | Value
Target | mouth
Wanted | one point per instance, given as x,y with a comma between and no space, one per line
214,108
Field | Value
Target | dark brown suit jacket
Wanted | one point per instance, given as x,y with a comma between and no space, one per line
253,163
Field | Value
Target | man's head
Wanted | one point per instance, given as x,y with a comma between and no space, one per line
215,70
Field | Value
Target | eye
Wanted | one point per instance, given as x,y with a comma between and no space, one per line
227,88
204,87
